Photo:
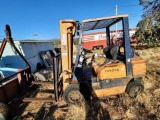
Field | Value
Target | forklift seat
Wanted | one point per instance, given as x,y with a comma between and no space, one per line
111,52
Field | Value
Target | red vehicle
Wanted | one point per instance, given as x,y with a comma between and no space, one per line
98,39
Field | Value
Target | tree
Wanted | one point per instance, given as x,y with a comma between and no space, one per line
151,8
56,43
149,26
75,41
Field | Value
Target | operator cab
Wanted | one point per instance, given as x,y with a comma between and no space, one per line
117,60
108,61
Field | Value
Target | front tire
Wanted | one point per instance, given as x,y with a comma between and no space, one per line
72,95
134,88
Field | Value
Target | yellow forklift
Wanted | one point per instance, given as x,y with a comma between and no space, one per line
86,80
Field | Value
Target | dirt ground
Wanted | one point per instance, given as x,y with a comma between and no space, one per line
145,106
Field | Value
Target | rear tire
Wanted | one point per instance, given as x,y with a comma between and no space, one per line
39,77
4,111
134,88
72,95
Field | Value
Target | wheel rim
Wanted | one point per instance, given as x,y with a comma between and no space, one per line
75,96
135,91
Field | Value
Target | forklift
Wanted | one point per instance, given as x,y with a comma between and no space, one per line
80,81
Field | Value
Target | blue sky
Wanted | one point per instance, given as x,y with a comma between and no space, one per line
27,17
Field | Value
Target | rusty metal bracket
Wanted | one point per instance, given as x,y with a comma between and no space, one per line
34,99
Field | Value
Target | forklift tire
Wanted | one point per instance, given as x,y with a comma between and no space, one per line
72,95
4,111
134,88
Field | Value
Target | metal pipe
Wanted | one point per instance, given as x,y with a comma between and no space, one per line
3,46
69,47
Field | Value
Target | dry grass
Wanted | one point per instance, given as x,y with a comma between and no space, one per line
76,112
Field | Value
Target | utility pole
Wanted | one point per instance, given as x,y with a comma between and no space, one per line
116,23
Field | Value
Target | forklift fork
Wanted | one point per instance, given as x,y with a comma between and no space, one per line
57,72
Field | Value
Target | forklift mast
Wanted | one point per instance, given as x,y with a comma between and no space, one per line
67,32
